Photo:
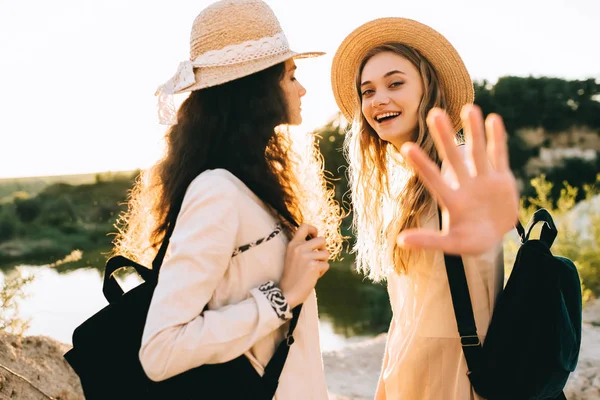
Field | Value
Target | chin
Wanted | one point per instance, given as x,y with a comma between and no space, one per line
388,136
394,137
295,121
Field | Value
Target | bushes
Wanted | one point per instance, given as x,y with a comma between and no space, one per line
58,211
11,291
61,218
577,172
9,222
578,227
28,209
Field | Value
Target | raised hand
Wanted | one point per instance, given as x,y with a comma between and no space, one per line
483,204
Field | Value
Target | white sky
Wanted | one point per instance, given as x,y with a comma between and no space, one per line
77,77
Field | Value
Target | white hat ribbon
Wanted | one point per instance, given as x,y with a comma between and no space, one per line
229,55
183,79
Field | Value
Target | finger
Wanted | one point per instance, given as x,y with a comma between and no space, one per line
318,243
497,143
439,145
475,137
443,134
424,239
427,170
322,255
303,231
323,268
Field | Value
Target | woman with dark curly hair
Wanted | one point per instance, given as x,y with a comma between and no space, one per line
241,255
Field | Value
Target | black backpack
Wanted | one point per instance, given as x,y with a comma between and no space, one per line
533,340
105,350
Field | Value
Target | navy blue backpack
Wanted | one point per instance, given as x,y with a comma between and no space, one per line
533,340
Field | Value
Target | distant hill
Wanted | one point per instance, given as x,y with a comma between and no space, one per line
47,226
35,184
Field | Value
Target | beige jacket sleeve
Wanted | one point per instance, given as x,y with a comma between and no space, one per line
178,336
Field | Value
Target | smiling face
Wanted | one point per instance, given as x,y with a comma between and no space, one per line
391,89
293,93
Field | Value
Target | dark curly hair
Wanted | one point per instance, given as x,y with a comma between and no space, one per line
230,126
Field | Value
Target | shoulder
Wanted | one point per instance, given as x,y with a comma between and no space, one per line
222,185
212,184
217,181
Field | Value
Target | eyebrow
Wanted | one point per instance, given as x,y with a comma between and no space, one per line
294,67
385,76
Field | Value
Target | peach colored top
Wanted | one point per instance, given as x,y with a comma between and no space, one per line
423,358
219,213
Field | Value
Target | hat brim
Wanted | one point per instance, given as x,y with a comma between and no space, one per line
445,60
212,76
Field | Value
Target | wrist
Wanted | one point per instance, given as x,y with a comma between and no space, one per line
279,302
291,299
288,293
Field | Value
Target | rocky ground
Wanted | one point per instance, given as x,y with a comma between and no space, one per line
32,368
352,373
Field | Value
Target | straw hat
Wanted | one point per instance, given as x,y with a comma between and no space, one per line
444,58
230,39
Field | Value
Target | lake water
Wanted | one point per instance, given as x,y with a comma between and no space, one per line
58,301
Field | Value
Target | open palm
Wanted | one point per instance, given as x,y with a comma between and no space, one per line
483,204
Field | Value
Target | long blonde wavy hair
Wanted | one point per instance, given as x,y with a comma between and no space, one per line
387,195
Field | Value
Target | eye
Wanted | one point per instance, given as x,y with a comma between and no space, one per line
293,78
367,92
396,84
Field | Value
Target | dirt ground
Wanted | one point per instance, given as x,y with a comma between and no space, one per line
33,368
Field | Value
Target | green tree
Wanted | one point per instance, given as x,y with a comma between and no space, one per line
28,209
551,103
58,212
9,222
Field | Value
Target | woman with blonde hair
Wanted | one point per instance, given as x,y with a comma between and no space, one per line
229,194
393,78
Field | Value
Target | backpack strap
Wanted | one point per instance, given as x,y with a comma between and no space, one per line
270,379
162,251
273,369
463,309
111,288
549,231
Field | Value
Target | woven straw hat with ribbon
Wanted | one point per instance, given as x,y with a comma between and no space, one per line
230,39
452,73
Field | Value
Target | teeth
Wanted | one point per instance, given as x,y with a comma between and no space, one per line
390,114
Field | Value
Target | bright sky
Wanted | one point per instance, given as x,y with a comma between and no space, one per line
77,77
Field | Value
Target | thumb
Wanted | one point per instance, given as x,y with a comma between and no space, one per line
425,240
303,232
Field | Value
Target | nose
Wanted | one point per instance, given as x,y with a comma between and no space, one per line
301,89
379,99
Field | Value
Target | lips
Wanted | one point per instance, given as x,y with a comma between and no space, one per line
382,118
